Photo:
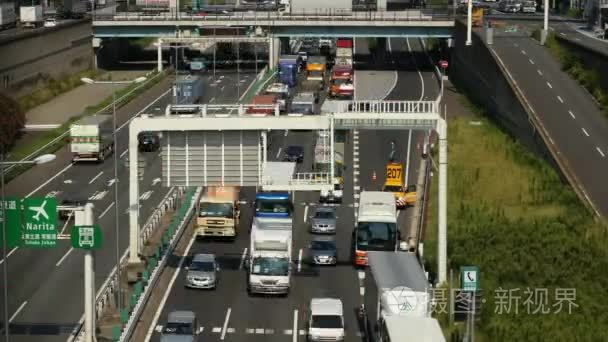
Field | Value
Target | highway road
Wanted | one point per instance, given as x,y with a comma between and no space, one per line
573,120
45,286
569,31
228,313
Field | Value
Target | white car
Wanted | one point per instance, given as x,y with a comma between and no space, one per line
326,321
51,22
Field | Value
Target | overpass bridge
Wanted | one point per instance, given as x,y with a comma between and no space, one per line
222,145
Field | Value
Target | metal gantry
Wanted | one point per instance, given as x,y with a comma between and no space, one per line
373,115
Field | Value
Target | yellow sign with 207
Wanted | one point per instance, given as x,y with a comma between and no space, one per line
394,173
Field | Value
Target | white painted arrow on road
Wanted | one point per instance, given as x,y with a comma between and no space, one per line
52,194
145,195
98,195
111,181
67,181
156,181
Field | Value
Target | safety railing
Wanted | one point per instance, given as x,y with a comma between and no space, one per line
110,286
377,106
222,110
431,13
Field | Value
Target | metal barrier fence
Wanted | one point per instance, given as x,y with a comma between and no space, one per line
223,110
377,106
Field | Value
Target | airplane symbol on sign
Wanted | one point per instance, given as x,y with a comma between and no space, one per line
39,211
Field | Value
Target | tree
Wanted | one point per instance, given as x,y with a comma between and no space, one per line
12,121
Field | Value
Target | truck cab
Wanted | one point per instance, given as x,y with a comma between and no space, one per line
341,84
404,196
326,320
282,92
288,69
218,213
304,103
273,204
266,100
315,68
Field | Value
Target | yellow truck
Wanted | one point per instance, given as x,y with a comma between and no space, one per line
404,196
218,213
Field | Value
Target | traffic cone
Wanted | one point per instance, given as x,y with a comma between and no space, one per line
374,175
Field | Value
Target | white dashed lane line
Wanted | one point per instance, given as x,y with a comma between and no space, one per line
560,99
531,61
599,150
571,114
523,52
95,178
539,72
549,85
585,131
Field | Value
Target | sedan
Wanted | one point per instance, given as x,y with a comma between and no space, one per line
323,251
323,221
202,272
294,154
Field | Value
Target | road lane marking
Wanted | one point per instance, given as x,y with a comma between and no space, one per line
231,330
106,211
562,33
278,152
585,131
146,195
560,99
68,181
407,158
111,182
9,254
259,331
17,312
95,178
63,257
123,153
249,331
222,88
168,290
225,324
65,225
156,181
357,188
516,45
305,213
49,180
523,51
531,61
216,329
600,151
549,85
539,72
52,194
243,256
356,160
295,326
286,132
98,195
212,99
571,114
302,332
300,260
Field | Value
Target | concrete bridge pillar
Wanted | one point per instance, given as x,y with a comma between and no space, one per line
274,51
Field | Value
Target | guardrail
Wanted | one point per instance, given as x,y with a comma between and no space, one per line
110,285
223,110
379,106
63,135
430,13
170,239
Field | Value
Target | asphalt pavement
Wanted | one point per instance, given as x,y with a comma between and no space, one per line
229,313
573,120
46,286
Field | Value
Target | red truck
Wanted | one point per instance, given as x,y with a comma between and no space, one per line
341,82
269,100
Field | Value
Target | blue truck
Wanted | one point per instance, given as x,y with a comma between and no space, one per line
288,70
188,89
273,204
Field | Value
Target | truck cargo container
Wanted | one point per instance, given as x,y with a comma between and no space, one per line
304,103
218,212
188,90
91,138
8,17
282,92
344,43
400,328
395,285
288,69
266,100
31,16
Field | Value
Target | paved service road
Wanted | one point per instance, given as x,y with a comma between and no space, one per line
570,115
228,313
45,286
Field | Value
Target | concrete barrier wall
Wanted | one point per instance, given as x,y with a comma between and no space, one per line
474,69
24,61
591,59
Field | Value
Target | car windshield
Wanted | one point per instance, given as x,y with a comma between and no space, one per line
270,266
273,206
293,150
326,322
323,245
202,266
325,214
376,236
216,210
315,73
393,188
340,82
178,329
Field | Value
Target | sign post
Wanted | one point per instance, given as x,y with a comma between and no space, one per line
84,235
40,222
469,282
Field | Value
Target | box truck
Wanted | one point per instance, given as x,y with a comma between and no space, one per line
31,16
92,138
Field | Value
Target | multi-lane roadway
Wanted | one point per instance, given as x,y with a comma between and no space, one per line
46,285
229,313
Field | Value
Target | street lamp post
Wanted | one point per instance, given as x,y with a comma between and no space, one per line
114,148
45,158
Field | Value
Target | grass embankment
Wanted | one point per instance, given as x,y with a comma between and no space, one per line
257,86
588,78
53,88
22,151
509,213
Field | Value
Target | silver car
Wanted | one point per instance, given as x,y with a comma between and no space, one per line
323,250
323,221
202,272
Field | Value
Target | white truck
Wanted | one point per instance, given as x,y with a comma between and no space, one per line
8,17
403,328
395,285
31,16
269,265
91,138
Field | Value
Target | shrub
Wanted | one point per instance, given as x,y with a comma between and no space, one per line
12,121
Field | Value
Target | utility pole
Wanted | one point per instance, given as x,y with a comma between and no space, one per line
84,217
470,22
545,31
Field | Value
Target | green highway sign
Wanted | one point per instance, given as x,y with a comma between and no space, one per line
86,237
12,207
39,222
469,278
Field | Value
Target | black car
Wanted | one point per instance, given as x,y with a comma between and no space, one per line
148,142
323,251
294,154
71,199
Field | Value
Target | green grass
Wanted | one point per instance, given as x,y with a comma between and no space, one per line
587,77
257,86
53,88
510,214
22,151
